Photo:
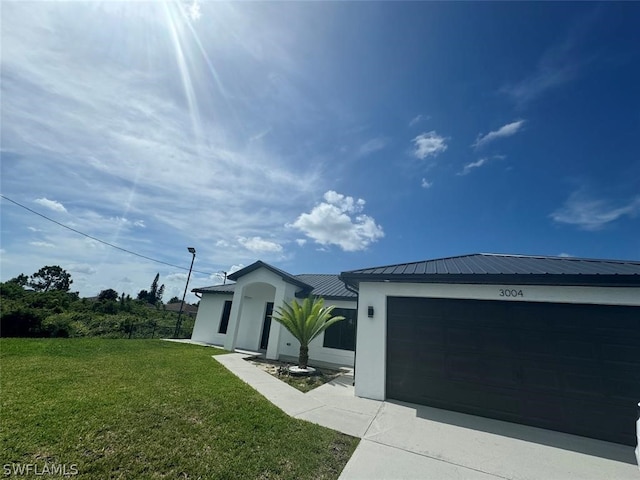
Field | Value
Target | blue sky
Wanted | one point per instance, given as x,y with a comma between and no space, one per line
318,137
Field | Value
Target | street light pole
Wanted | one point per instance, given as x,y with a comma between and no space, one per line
192,251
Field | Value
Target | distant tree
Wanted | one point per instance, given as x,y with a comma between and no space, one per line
174,300
108,294
160,293
154,294
11,291
21,280
125,303
143,295
153,291
50,278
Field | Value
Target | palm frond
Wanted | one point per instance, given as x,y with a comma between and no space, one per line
307,320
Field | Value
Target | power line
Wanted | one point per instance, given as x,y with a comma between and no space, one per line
99,240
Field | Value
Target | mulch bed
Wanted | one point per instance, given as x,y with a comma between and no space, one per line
305,384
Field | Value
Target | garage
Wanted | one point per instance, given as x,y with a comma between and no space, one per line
568,367
551,342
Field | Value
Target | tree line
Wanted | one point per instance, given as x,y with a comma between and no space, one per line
42,305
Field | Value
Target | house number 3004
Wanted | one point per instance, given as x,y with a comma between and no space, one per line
510,292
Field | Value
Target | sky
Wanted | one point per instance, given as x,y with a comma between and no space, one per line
317,137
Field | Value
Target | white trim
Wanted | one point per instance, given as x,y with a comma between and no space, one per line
530,293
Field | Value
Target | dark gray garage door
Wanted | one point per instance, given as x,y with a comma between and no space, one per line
572,368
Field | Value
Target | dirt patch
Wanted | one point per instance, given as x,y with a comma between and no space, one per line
303,383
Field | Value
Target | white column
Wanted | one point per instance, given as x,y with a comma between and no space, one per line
371,345
284,293
234,318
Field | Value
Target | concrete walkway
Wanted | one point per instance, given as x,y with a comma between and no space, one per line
406,441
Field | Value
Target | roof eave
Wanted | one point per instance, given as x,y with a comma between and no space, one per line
303,294
498,279
260,264
219,292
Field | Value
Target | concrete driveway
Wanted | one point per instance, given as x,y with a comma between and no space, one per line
407,441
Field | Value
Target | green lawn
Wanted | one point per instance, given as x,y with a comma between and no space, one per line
149,409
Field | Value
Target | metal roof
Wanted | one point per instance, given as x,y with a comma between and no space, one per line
228,288
502,268
324,285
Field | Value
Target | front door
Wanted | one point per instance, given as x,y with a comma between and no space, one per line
266,326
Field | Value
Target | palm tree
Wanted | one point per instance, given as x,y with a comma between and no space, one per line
305,322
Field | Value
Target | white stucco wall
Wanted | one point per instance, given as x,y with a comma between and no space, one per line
371,339
254,299
208,319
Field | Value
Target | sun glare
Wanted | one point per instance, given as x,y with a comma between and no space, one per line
193,11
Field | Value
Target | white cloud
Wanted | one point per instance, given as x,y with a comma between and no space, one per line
51,204
301,241
176,172
540,81
339,221
479,163
83,268
593,214
173,277
372,146
259,244
42,244
470,166
235,268
559,64
504,131
565,255
415,120
193,11
429,144
425,183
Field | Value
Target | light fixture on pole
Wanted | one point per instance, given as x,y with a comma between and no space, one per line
192,251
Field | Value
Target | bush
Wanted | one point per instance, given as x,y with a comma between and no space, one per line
66,324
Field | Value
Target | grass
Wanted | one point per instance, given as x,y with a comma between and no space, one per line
150,409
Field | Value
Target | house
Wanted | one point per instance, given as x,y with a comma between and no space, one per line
551,342
238,315
188,310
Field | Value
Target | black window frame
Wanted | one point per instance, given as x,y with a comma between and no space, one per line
224,319
342,335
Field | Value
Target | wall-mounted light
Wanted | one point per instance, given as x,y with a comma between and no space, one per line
370,312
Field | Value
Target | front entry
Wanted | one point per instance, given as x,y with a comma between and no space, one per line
266,326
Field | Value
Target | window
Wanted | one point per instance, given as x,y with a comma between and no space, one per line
224,321
342,335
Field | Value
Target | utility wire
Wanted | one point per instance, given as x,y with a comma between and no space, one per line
99,240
